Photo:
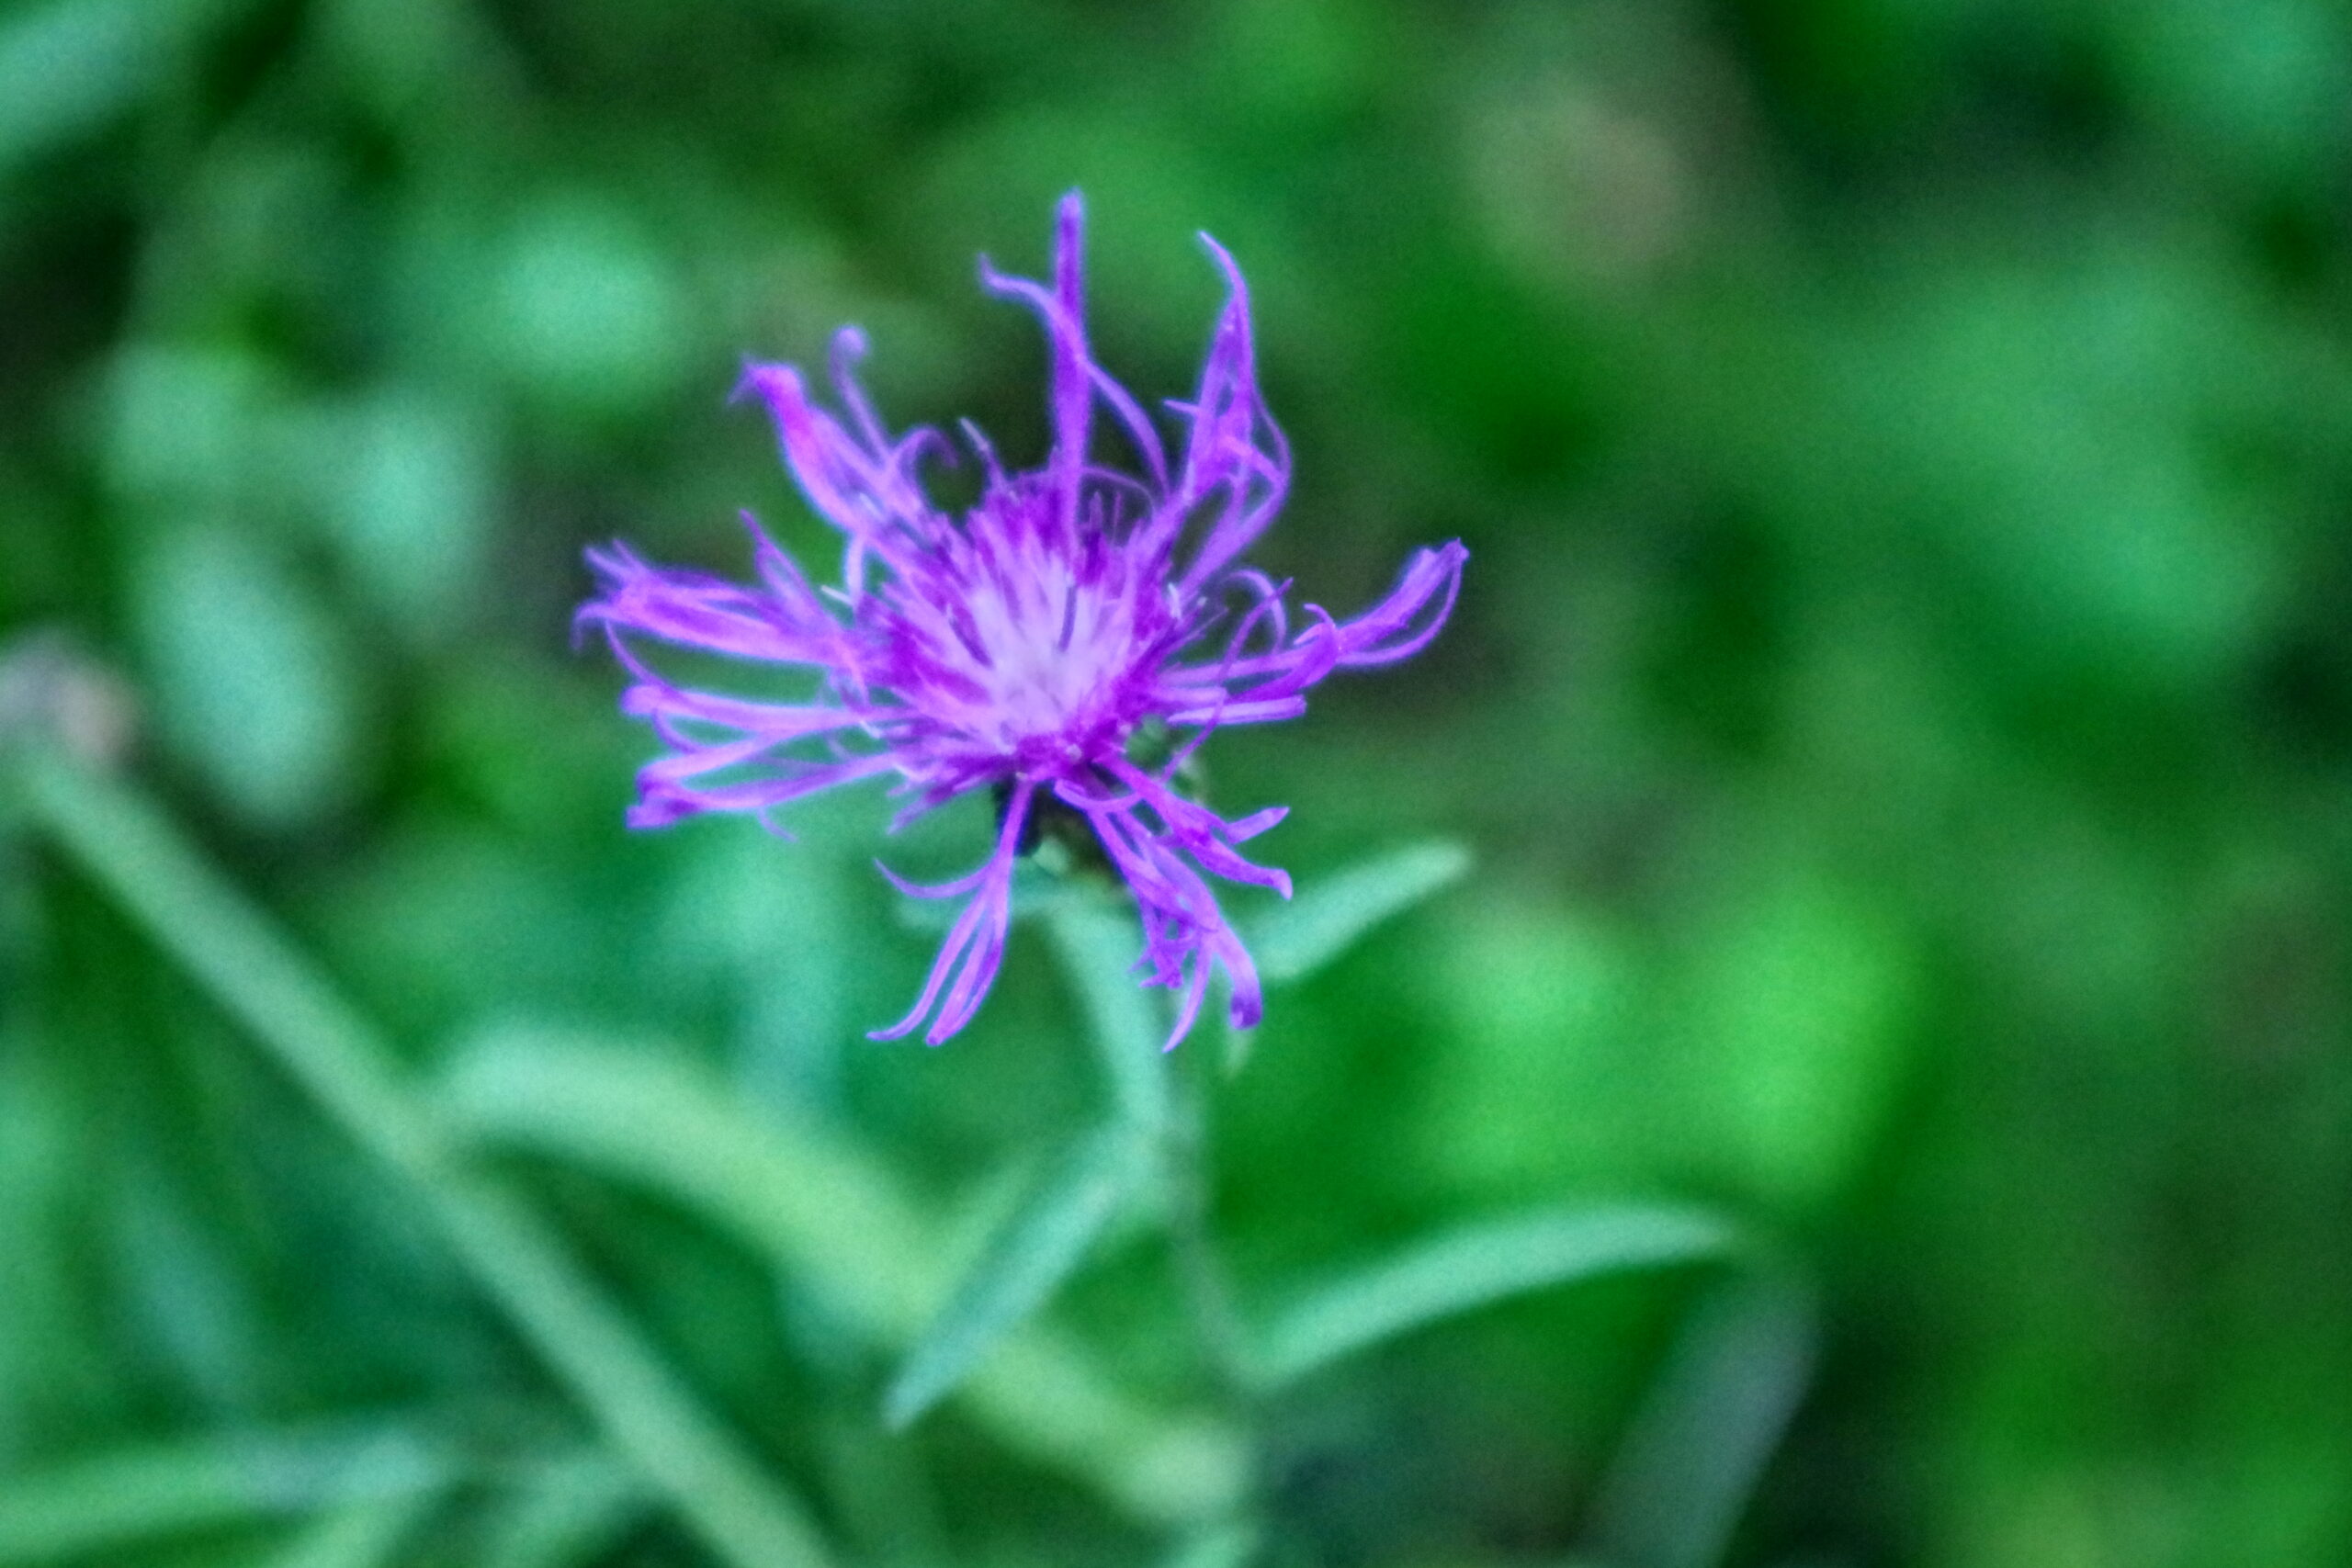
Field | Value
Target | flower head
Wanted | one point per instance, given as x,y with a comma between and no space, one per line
1026,647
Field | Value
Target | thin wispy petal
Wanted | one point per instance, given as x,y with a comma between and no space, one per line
1031,645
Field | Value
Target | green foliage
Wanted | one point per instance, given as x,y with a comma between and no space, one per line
69,67
103,1508
1039,1247
1676,1490
363,1535
842,1230
572,1509
1099,950
1476,1266
1322,922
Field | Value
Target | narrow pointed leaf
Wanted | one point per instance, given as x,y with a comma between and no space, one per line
104,1506
1037,1249
261,979
1481,1264
571,1512
1224,1544
833,1218
803,1195
360,1535
1702,1438
1330,914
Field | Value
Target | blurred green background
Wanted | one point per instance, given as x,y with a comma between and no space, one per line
1900,708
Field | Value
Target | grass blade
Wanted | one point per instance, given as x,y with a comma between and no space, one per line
1330,914
1040,1245
1700,1440
259,978
843,1230
359,1535
797,1193
1478,1264
1230,1544
99,1508
572,1510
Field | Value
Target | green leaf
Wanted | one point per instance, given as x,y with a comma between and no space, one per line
1683,1475
571,1511
589,310
1224,1544
198,430
1330,915
1803,1004
1481,1264
101,1508
408,493
263,981
880,1488
817,1206
1039,1247
795,1192
359,1535
68,68
254,680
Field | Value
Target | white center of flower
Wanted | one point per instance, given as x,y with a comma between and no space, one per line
1026,647
1048,649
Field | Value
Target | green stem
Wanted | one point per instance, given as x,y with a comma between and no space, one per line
1153,1093
259,978
1208,1290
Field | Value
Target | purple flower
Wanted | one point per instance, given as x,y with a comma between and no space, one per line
1033,647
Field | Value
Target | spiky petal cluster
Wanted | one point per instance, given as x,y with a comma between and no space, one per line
1022,647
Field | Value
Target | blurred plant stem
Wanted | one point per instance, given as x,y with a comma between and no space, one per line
258,976
846,1230
1186,1152
1162,1095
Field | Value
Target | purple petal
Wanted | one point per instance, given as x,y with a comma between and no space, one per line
1247,828
865,490
770,723
1236,449
694,609
1073,398
663,797
1066,331
954,889
1186,935
970,958
1396,627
